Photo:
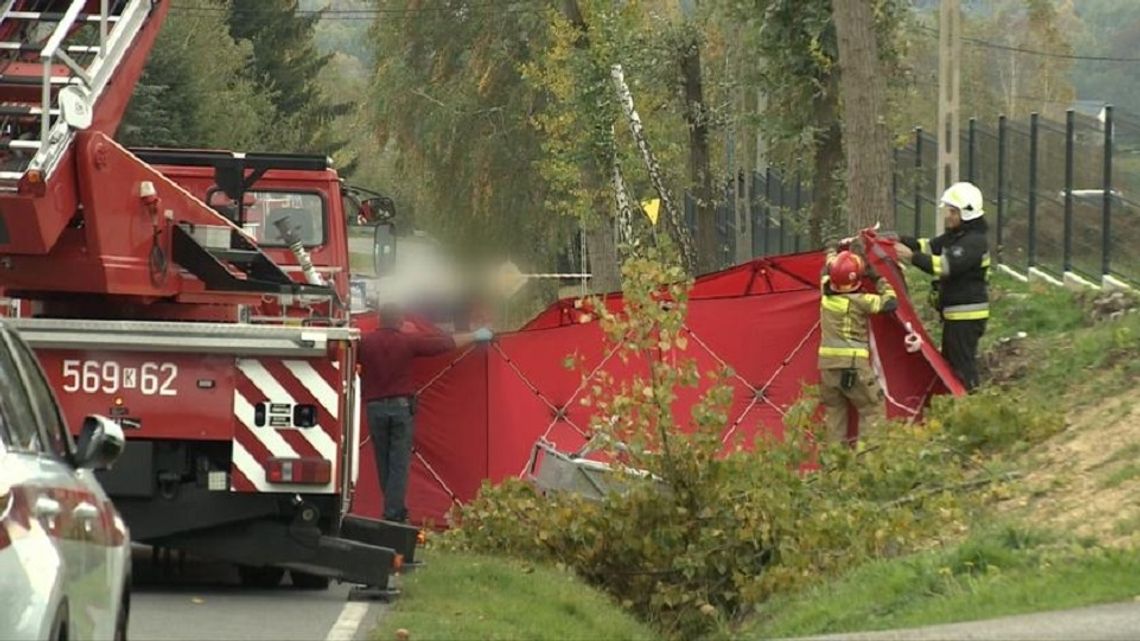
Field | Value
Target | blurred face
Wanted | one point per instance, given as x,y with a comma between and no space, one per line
953,217
391,318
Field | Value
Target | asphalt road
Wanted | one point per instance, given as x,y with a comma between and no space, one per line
1113,622
205,601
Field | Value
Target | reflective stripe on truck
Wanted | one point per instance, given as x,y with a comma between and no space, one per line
288,426
276,395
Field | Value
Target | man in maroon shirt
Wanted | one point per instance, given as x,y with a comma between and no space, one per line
388,392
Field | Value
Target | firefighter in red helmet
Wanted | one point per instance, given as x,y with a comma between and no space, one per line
846,375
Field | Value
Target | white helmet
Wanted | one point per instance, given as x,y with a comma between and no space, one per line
967,198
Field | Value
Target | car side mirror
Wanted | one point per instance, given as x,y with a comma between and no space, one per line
383,248
101,441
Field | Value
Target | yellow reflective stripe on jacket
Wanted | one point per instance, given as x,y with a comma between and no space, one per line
835,304
844,349
980,311
874,302
845,352
940,267
924,245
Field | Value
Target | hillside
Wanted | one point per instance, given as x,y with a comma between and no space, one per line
1064,531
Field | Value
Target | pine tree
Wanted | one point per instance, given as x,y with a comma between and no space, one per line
287,63
193,92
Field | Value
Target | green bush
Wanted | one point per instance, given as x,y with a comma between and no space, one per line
993,420
713,535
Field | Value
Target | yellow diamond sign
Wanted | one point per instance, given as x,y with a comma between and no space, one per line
651,209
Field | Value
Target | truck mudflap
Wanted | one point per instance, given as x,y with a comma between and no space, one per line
301,548
402,538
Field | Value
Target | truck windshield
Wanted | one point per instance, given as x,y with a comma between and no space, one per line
304,213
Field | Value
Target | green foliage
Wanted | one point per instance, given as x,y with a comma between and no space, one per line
463,596
997,571
234,74
793,52
450,101
994,420
287,64
194,91
697,536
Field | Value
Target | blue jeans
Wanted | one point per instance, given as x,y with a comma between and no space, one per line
392,427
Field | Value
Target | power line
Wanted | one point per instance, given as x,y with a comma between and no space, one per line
1027,98
1034,52
367,14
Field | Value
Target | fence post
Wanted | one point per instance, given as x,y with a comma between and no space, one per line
917,181
1034,129
1003,130
783,210
895,187
767,209
971,141
1106,222
1070,133
750,211
796,208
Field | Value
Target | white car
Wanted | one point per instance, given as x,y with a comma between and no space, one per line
64,550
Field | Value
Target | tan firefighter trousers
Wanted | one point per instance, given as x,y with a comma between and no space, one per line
865,395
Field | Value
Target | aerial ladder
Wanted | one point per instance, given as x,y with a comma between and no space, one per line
81,215
242,437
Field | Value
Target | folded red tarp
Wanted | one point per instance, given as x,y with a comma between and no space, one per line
482,410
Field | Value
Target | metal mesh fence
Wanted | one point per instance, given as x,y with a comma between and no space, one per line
1048,202
1124,199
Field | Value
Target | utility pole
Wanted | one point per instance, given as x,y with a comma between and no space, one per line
949,85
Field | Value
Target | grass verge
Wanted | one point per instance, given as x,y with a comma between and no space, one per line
997,573
464,596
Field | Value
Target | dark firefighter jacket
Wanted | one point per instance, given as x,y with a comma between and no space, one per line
960,260
844,321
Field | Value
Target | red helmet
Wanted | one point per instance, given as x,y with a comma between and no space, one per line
845,271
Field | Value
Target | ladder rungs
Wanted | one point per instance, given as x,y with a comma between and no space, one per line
25,110
21,144
54,16
27,48
13,176
34,81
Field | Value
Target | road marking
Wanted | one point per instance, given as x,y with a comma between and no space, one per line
348,622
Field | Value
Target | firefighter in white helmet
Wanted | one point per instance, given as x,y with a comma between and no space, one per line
959,260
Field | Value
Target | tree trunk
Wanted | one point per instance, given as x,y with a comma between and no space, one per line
622,205
605,273
866,138
601,245
828,159
674,221
700,173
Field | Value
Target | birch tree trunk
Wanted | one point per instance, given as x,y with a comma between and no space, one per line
624,209
674,222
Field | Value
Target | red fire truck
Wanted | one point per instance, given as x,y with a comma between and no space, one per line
199,298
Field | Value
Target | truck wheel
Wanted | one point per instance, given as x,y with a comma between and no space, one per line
306,581
263,577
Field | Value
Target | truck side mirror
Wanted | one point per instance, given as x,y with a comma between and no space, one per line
383,248
378,210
